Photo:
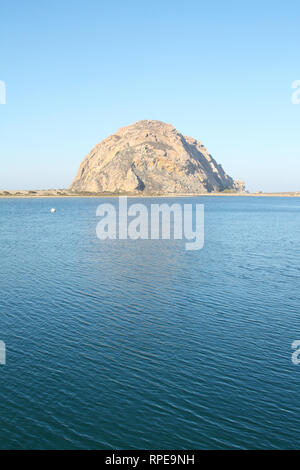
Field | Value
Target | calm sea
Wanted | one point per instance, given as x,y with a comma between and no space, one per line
141,344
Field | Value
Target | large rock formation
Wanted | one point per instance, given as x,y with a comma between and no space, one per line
151,157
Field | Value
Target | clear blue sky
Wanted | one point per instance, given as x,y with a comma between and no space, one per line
220,71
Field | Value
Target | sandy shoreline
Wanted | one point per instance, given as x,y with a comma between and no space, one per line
65,194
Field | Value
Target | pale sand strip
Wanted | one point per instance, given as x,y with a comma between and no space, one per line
66,194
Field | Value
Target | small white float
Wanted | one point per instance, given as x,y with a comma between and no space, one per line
52,210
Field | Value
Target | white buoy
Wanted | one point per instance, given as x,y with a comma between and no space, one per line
52,210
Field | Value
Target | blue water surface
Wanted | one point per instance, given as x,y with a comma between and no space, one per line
142,344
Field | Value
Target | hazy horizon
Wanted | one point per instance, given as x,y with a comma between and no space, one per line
221,73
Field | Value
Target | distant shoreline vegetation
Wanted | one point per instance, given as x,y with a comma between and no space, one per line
44,193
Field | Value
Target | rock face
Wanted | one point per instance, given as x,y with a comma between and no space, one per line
151,157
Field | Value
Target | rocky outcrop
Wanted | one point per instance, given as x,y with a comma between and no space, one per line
151,157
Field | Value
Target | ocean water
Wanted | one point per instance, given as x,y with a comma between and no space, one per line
142,344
